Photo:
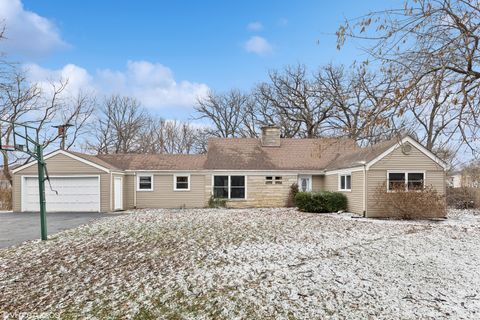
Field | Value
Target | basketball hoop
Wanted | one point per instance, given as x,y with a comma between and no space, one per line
7,147
26,139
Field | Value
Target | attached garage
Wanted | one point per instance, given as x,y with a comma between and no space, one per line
79,183
66,194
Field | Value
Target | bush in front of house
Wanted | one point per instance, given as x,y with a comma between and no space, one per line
291,195
321,202
216,202
463,198
410,204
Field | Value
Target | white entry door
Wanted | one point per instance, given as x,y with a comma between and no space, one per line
118,198
305,183
67,194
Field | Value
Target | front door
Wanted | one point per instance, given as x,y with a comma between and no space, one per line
305,183
118,198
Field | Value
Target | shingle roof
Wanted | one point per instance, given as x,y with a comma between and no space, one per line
155,161
249,154
293,154
365,154
95,160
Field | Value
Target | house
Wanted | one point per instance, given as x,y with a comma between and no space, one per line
246,172
462,179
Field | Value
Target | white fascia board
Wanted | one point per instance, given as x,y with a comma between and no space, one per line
344,171
66,154
417,145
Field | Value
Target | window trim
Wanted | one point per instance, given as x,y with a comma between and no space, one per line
340,182
406,172
175,176
230,184
151,181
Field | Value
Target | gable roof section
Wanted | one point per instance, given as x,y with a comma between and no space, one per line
293,154
154,161
372,154
73,155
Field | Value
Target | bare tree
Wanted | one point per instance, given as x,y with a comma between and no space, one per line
120,121
229,113
296,99
362,101
423,39
26,103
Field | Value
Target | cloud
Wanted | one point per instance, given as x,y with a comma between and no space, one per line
258,45
27,33
255,26
78,78
151,83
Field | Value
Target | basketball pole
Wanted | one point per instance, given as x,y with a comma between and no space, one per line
41,189
35,152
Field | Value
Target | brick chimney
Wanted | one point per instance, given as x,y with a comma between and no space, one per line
271,136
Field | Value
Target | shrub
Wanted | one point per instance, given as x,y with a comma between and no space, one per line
216,203
6,198
414,204
463,198
291,195
321,202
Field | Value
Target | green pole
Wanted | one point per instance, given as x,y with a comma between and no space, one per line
41,185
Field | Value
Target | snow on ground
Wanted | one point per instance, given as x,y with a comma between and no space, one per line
256,263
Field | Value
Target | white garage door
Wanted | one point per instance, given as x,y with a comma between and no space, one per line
75,194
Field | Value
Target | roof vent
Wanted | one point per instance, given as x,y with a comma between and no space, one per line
406,148
271,136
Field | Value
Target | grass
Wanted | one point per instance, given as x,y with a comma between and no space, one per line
259,263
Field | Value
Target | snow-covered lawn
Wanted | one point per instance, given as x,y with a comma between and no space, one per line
257,263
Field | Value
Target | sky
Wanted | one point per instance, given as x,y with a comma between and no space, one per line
167,54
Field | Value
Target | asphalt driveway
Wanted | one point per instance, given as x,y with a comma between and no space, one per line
16,228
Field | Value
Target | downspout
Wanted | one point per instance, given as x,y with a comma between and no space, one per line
135,190
111,191
364,187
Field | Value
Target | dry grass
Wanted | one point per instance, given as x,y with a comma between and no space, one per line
5,198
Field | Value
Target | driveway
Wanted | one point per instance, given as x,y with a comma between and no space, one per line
16,228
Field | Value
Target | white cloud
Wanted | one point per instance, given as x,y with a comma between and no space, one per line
151,83
255,26
258,45
78,78
26,32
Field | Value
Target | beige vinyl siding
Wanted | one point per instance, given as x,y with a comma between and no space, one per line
318,183
415,161
163,195
355,196
261,195
129,189
62,165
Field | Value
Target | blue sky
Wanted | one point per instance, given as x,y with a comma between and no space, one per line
168,52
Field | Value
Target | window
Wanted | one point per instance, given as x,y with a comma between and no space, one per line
305,183
345,183
220,187
406,180
237,187
273,180
144,183
229,187
181,182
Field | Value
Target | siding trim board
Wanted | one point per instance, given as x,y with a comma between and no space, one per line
68,154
